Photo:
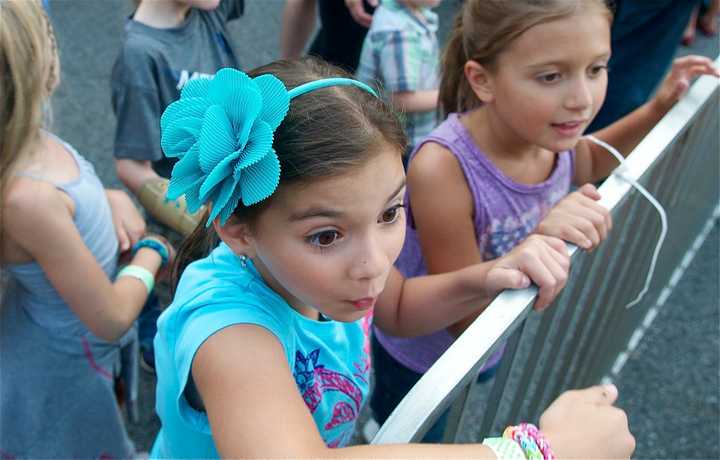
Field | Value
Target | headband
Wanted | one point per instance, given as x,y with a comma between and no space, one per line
221,130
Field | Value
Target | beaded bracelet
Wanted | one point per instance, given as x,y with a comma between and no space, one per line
156,246
529,438
540,440
532,451
141,273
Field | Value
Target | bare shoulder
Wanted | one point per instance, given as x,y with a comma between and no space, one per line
235,370
33,199
32,208
435,174
434,162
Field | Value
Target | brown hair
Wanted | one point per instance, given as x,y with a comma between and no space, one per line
326,133
484,28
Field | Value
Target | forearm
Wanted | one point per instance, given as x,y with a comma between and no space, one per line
427,304
625,134
478,451
130,295
134,173
459,327
298,23
415,101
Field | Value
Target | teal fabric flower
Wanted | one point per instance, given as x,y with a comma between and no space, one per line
222,132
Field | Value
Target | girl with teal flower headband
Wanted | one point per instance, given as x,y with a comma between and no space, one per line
264,351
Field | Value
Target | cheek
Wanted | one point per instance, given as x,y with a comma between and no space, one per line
395,241
599,93
303,274
527,101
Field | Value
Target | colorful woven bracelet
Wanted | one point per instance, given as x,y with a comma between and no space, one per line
141,273
540,440
156,246
505,449
526,442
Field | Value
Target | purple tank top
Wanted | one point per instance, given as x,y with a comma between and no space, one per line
505,213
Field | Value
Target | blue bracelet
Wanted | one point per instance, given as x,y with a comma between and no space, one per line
155,246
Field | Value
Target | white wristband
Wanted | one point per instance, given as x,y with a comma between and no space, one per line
141,273
505,449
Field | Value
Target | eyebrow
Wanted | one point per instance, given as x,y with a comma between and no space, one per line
330,213
561,63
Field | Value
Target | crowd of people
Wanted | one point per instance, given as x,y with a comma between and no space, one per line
321,218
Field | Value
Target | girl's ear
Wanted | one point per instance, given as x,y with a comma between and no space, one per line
480,81
237,235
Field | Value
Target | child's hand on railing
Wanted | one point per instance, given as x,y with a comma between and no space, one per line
578,219
539,259
678,80
585,424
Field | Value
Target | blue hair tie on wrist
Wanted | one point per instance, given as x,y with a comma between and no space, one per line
222,132
154,245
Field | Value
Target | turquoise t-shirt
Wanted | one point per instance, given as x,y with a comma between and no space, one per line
330,360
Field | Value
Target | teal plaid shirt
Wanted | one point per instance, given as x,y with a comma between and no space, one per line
401,53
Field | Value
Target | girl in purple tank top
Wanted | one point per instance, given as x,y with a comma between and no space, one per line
521,82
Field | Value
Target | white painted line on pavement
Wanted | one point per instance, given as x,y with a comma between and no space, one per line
652,313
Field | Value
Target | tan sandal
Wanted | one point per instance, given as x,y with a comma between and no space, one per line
171,213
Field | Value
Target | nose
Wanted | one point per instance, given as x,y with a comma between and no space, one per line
579,96
370,260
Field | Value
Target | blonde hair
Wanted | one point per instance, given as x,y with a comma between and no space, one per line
28,74
484,28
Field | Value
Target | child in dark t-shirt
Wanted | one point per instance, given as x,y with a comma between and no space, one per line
167,43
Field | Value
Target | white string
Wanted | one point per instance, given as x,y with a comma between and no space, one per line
620,172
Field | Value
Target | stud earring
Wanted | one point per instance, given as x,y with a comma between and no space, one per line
243,260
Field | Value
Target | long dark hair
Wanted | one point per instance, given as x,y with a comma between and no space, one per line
326,133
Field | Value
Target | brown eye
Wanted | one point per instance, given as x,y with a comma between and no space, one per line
597,70
391,215
550,78
325,238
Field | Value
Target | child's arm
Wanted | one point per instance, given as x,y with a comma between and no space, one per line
40,221
255,410
134,173
593,163
399,70
129,223
415,101
462,285
356,8
298,23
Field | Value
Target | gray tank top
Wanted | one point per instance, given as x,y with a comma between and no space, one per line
32,290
